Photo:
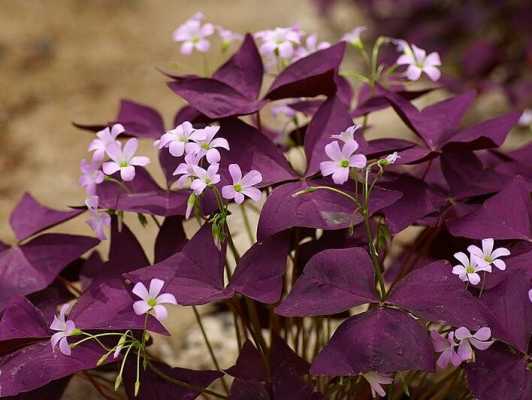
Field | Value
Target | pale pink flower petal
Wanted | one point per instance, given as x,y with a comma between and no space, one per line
140,291
156,286
141,307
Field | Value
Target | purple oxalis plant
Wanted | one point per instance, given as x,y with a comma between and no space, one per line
326,302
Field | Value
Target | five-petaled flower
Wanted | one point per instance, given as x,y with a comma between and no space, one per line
487,256
177,140
418,62
204,178
469,268
151,300
91,175
124,159
342,160
376,380
480,340
104,138
64,328
279,42
242,185
193,34
205,144
447,347
187,169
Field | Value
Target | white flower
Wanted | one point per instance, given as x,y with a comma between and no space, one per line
487,256
342,160
353,37
205,144
124,159
376,381
418,61
204,178
468,271
279,42
151,300
348,135
177,140
91,175
242,186
104,138
480,340
227,36
64,328
192,34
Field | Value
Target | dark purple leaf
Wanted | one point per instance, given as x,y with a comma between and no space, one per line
33,266
344,277
140,120
310,76
195,275
30,217
498,374
21,319
382,147
170,239
259,274
381,340
249,365
248,390
52,391
331,118
498,218
434,293
143,195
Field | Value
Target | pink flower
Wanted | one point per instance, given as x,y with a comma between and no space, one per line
480,340
187,169
279,42
177,140
205,144
152,300
283,109
64,328
418,62
227,36
204,178
242,186
91,175
487,256
342,160
124,160
103,139
469,269
193,35
446,346
98,220
348,135
376,381
353,37
311,46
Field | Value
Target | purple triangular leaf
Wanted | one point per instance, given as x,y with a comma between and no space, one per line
381,340
249,365
497,218
21,319
30,217
310,76
140,120
434,293
52,391
248,390
259,273
170,239
344,277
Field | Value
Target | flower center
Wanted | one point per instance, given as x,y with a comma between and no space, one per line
344,163
237,187
470,269
123,164
205,146
152,302
488,259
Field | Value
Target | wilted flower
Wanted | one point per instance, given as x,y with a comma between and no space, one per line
98,220
487,256
389,159
279,42
242,186
418,62
103,139
64,328
193,35
124,159
348,135
177,140
205,144
446,346
468,271
376,381
311,45
91,175
204,178
342,160
353,37
187,169
480,340
152,300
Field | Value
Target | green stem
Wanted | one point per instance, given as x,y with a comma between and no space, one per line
247,224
